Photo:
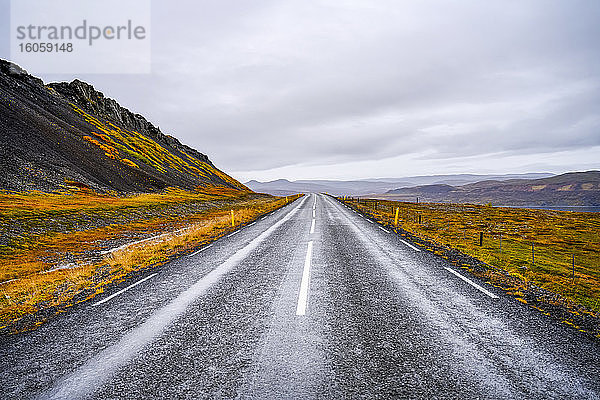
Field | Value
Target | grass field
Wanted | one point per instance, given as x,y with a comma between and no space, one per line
56,246
537,246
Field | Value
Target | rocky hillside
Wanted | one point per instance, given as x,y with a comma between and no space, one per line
69,134
570,189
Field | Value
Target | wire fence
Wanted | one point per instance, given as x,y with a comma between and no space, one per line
559,251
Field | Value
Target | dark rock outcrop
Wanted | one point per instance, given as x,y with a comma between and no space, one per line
94,102
47,142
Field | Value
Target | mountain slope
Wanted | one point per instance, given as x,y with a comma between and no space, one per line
570,189
62,134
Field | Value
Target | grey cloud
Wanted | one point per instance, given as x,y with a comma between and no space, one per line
267,84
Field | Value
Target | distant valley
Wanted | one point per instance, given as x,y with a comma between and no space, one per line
570,189
536,189
366,187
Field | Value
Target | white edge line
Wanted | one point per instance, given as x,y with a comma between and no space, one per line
251,224
97,371
234,233
124,290
470,282
200,251
383,229
369,221
409,245
303,295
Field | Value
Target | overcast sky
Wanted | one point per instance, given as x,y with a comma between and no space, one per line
358,89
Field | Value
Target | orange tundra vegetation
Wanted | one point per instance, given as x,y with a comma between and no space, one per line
58,248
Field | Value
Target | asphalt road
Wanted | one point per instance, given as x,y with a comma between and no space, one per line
291,308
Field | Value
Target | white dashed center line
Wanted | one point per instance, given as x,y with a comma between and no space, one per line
303,295
312,227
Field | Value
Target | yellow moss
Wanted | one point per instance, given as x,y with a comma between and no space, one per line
137,146
129,162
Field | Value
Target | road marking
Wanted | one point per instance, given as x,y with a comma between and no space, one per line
251,224
369,221
312,226
383,229
409,245
123,290
234,233
303,296
470,282
200,251
96,371
313,213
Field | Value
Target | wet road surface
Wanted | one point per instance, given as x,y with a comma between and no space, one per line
312,301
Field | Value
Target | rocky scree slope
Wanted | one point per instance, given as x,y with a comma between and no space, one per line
68,134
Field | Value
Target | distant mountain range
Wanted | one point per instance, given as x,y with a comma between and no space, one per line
570,189
375,186
534,189
68,134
